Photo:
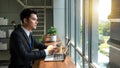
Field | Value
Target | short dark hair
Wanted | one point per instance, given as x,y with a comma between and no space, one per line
26,14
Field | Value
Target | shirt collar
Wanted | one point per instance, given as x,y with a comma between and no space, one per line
26,31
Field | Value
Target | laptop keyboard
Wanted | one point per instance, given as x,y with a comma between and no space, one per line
59,56
55,57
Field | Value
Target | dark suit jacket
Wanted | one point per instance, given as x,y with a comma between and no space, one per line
21,56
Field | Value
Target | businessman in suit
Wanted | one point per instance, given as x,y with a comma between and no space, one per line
22,43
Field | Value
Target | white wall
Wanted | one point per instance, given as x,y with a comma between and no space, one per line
59,18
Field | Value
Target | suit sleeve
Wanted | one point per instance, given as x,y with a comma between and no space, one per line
19,47
38,45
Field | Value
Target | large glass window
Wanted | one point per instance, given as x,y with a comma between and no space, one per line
94,31
87,32
66,19
72,21
104,32
73,53
85,23
78,25
79,61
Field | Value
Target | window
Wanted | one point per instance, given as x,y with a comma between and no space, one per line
104,32
82,21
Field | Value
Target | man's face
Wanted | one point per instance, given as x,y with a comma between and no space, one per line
32,22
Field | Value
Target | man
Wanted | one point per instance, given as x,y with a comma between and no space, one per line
22,42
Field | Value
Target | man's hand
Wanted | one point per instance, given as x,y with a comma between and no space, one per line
51,49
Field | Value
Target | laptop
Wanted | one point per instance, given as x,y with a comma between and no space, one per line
58,56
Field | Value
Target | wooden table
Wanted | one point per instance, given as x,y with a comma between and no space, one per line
67,63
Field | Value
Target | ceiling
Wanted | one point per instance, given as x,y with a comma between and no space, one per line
35,3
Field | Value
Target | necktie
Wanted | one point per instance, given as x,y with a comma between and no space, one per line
30,41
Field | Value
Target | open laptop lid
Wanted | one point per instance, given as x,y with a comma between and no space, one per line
66,47
68,42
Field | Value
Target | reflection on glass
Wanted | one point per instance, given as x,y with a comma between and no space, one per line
86,65
79,61
72,53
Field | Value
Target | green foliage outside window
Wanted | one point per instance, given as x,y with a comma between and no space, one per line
104,28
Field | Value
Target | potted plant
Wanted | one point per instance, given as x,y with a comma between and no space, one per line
52,31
